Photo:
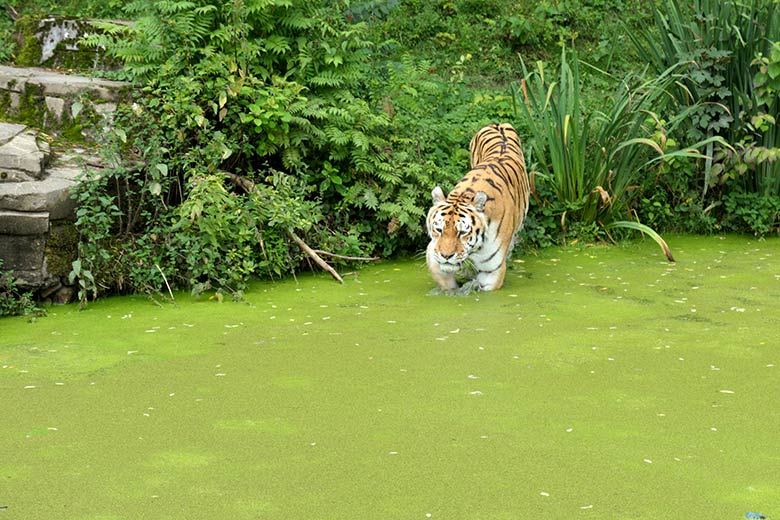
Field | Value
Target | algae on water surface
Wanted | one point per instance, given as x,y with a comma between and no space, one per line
600,382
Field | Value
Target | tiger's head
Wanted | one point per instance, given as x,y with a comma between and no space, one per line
456,229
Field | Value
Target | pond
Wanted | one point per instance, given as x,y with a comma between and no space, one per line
598,383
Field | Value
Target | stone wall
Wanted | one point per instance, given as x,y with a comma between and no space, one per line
46,99
34,198
35,183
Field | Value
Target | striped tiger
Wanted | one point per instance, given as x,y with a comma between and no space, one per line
478,220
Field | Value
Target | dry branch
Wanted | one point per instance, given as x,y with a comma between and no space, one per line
249,186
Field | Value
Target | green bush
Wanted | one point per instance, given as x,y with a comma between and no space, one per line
235,95
13,301
752,213
725,52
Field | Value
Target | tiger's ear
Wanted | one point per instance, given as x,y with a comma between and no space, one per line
480,199
437,194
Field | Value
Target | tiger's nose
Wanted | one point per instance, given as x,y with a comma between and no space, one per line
447,256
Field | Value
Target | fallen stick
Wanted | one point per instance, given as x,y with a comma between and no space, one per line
317,258
247,185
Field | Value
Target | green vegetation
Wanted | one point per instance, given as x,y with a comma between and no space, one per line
256,121
600,382
13,301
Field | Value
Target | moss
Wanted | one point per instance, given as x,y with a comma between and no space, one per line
73,133
30,111
29,54
61,249
79,59
5,103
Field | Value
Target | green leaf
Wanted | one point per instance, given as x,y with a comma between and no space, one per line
646,230
774,70
75,109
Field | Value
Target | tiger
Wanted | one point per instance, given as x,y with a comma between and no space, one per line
480,217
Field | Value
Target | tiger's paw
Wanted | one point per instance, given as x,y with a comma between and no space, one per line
438,291
468,288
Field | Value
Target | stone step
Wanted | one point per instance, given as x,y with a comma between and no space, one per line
51,193
23,156
55,84
22,242
46,98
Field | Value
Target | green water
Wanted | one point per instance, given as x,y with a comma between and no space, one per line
599,383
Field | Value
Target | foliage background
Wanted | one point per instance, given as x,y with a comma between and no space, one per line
344,115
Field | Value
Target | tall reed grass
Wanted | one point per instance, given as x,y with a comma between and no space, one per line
715,44
592,161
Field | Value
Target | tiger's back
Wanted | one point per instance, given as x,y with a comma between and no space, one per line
479,218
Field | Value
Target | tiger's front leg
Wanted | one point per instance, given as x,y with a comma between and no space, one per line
492,280
445,280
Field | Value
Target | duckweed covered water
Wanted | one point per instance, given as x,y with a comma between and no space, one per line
599,383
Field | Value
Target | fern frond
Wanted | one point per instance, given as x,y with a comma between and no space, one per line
327,79
277,44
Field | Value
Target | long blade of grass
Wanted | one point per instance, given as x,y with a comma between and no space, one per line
629,224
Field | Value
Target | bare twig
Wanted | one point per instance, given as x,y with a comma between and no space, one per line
166,283
317,258
248,186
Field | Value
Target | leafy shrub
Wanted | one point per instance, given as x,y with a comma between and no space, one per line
13,301
752,213
237,94
717,44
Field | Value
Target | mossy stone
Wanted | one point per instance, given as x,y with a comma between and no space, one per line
61,249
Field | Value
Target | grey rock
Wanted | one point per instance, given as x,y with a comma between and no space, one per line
24,223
